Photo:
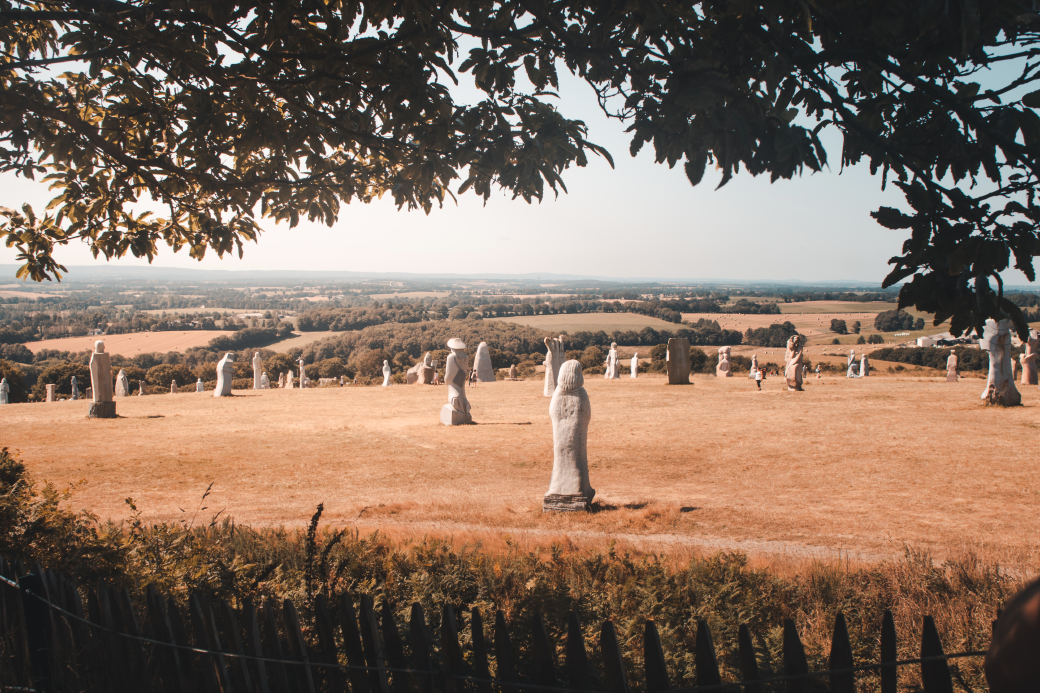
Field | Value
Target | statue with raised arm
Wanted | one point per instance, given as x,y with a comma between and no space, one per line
554,358
456,368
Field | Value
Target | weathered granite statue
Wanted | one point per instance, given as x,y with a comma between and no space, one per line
258,370
633,366
1000,384
570,412
1028,359
289,381
281,381
225,372
173,387
678,361
265,382
722,370
951,368
5,391
864,366
200,386
754,366
794,357
512,371
421,373
554,358
304,380
613,371
102,405
50,391
140,388
851,372
386,373
456,412
482,364
122,383
75,388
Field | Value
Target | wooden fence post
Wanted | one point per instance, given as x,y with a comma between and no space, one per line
421,649
577,657
613,663
327,644
214,675
889,674
37,630
505,655
450,649
274,648
653,660
373,646
707,664
256,647
297,644
935,674
795,663
236,645
544,671
480,654
169,657
748,661
359,678
841,657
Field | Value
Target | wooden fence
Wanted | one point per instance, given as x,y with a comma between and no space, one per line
50,642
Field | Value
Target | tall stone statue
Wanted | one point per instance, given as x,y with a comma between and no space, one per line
554,358
386,373
225,372
1028,359
5,391
140,388
304,381
258,370
754,366
724,370
613,371
482,364
265,382
633,366
122,383
678,361
951,368
50,389
794,357
281,381
289,381
851,372
512,371
864,366
173,387
456,366
102,404
570,412
75,388
200,386
1000,384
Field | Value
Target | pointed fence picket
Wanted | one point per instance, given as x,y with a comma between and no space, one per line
48,644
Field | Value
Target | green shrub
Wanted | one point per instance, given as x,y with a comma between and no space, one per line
15,381
60,375
161,375
591,358
875,339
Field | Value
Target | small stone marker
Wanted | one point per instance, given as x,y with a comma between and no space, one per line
613,366
122,384
951,368
794,358
258,369
75,388
678,361
634,365
50,391
1028,359
5,391
200,386
1000,384
386,373
265,383
482,364
225,372
102,405
554,358
173,387
456,412
140,388
723,370
570,412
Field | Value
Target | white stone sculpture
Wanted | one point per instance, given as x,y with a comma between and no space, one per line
723,369
512,371
258,370
482,364
421,373
851,372
1028,359
289,381
225,372
554,358
678,361
754,366
75,388
140,388
5,391
265,382
613,371
1000,383
173,387
634,365
570,412
200,386
456,412
386,373
122,383
50,391
864,366
951,368
304,380
102,405
794,358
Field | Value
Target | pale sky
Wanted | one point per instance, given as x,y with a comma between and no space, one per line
640,219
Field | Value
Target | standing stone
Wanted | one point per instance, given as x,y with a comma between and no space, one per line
633,366
75,388
570,412
754,366
265,382
1028,359
50,391
225,372
456,412
421,373
140,388
864,366
304,380
851,372
1000,384
173,387
281,381
512,371
794,358
102,405
5,391
289,381
723,370
200,386
122,383
386,373
554,358
951,368
678,361
613,371
258,370
482,364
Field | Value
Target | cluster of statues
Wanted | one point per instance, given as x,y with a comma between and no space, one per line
854,370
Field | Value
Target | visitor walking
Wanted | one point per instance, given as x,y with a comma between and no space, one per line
758,378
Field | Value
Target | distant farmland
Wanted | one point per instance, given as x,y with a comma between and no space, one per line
133,343
590,322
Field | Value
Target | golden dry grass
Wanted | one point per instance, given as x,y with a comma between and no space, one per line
589,322
861,466
133,343
873,307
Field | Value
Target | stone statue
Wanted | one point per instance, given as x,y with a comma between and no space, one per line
570,411
482,364
281,381
304,382
102,404
633,365
723,369
613,371
5,391
754,366
140,388
265,382
173,387
421,373
289,381
258,369
554,358
50,391
951,368
512,371
200,386
794,358
1028,359
225,372
122,383
864,366
1000,384
456,366
678,361
851,372
386,373
75,388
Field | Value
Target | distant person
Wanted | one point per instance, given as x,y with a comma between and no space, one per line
758,378
355,381
436,378
818,371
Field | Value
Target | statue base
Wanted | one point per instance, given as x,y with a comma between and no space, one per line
450,417
951,377
562,503
102,410
719,373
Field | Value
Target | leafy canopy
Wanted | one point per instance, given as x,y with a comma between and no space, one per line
225,112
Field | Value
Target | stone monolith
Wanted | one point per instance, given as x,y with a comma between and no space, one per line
754,366
51,387
140,388
102,405
1028,359
225,372
512,371
386,373
723,369
1000,383
173,387
289,381
304,380
864,366
5,391
258,370
554,358
794,357
122,384
570,412
678,361
951,368
482,364
456,367
633,366
200,386
75,388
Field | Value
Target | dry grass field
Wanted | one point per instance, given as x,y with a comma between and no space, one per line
873,307
590,322
133,343
809,324
861,468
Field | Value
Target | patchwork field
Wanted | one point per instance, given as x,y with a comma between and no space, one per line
861,468
133,343
590,322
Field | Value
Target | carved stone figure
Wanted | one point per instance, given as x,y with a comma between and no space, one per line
1000,384
864,366
723,370
1028,359
289,381
50,391
754,366
5,391
633,366
794,357
281,381
386,373
570,411
102,405
421,373
678,361
225,372
304,381
851,372
265,382
200,386
122,383
456,412
512,371
173,387
554,358
258,370
613,371
75,388
482,364
951,368
140,388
